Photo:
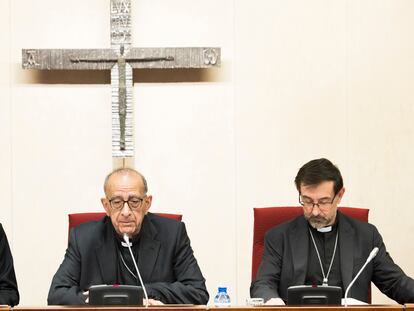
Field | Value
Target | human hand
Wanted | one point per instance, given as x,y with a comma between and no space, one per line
153,302
275,302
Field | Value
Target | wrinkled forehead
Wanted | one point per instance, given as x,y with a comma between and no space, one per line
125,182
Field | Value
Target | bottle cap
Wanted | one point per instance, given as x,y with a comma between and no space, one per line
222,289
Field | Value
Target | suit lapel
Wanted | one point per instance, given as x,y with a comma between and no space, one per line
148,249
300,250
106,255
346,238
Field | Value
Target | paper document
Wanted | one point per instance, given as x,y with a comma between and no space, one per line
352,302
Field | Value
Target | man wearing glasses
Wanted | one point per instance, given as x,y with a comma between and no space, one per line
326,247
97,253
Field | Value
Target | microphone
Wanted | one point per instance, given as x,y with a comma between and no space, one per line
126,239
371,256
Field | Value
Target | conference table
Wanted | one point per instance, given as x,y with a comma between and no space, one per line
407,307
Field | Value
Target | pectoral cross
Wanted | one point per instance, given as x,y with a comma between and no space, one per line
121,59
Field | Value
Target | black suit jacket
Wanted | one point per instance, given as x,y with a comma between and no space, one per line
9,295
286,252
165,260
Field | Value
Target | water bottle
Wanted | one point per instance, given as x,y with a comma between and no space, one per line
222,299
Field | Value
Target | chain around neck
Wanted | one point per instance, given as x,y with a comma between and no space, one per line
325,277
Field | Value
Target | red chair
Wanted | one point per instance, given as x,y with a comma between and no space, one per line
268,217
78,218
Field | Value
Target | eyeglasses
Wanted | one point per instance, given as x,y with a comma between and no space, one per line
118,203
323,204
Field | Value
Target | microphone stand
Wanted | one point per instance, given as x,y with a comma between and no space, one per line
371,256
126,239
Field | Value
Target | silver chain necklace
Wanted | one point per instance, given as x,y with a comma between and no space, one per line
126,266
325,278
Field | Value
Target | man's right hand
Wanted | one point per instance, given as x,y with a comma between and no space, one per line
275,302
153,302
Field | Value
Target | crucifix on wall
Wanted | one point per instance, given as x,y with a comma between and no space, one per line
121,59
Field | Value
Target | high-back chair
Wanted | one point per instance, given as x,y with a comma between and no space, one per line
79,218
268,217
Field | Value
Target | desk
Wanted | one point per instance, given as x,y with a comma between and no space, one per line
112,308
409,307
314,308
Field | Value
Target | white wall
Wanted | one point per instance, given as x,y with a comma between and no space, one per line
6,212
299,80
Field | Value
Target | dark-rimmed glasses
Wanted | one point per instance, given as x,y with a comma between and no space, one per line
323,204
117,203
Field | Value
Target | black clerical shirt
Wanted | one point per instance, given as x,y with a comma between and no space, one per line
127,273
325,241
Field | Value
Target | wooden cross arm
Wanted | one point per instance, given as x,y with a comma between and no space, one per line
73,59
170,58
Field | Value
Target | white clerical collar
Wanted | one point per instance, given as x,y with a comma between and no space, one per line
125,244
325,229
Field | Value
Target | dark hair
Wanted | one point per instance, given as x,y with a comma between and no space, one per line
317,171
125,171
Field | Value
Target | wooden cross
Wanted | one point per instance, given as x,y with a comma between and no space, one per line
121,58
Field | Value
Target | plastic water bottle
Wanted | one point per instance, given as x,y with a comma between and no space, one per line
222,299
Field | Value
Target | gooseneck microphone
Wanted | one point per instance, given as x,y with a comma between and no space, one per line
371,256
126,239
